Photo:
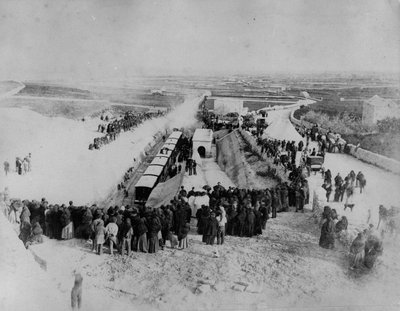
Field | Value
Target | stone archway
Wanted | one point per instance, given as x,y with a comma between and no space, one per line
202,151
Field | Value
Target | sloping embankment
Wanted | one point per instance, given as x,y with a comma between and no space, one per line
24,285
229,159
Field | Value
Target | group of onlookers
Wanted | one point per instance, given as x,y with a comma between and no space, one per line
364,249
327,140
282,151
115,127
343,186
22,166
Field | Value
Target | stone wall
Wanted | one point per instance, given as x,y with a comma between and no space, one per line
359,153
374,159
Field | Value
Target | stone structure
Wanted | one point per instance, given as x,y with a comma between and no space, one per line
378,108
202,140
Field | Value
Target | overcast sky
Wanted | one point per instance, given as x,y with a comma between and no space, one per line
115,39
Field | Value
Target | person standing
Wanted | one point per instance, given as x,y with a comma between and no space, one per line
274,203
194,165
327,238
126,236
357,251
361,181
67,231
76,292
6,167
99,237
140,230
190,163
111,231
284,198
211,229
349,198
93,226
221,226
328,188
154,226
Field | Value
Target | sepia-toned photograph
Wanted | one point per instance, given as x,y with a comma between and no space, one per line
195,155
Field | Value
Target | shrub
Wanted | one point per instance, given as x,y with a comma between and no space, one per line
389,125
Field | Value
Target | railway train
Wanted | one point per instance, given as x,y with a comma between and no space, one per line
158,169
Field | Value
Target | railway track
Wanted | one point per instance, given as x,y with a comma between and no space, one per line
117,197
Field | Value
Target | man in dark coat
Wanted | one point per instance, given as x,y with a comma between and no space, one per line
231,219
211,229
338,180
257,222
139,242
241,220
25,226
285,197
274,203
250,220
263,214
154,225
327,238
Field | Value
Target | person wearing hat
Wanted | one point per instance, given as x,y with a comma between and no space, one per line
327,238
6,167
67,226
357,251
25,226
221,226
154,226
126,236
111,232
211,229
140,229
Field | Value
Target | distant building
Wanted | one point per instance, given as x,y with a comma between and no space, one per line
275,88
202,140
160,92
378,108
305,94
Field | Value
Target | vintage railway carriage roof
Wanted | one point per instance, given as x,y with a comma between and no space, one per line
169,146
171,141
146,181
160,161
175,135
164,155
154,170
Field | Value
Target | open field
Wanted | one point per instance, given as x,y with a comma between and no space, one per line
352,99
73,102
49,90
6,86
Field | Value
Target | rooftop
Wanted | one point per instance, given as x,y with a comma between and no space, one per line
202,135
379,101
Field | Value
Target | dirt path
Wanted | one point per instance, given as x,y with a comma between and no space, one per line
283,268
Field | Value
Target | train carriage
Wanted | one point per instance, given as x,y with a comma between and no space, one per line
159,160
158,169
144,187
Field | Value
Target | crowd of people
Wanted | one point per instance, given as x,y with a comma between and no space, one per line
113,128
364,249
283,152
232,211
22,165
343,187
242,212
327,140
